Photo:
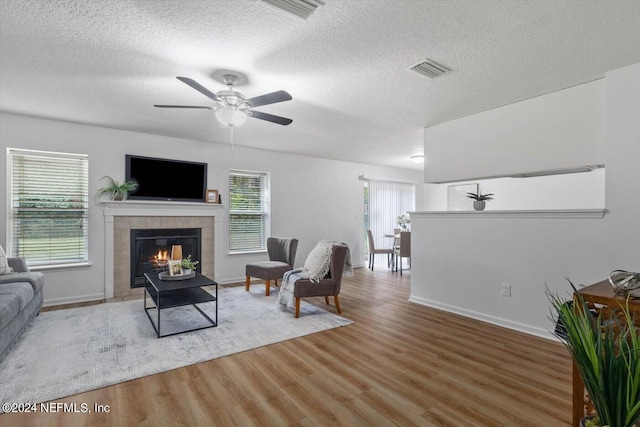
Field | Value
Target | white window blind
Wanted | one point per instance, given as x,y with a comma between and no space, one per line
248,211
387,201
49,207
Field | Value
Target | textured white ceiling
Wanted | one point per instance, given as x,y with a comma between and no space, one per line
107,62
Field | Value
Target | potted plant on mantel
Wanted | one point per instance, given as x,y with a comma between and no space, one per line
479,199
116,190
606,352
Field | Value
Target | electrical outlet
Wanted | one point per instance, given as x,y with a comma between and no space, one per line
506,290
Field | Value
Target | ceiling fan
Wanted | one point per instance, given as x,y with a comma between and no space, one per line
231,107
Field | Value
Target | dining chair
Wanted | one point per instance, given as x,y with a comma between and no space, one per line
403,250
374,251
396,242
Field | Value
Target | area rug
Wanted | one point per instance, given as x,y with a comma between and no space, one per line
66,352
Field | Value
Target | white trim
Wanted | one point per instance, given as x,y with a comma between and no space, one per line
505,323
539,214
71,266
72,300
151,208
256,251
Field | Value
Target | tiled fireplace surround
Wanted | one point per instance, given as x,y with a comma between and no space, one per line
121,217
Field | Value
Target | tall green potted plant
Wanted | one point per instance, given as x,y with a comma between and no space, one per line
606,352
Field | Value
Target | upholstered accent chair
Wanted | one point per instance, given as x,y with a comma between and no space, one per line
329,285
373,251
282,255
403,250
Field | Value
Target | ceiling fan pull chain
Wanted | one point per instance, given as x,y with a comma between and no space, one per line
231,134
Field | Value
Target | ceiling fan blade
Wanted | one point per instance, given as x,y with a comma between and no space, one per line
197,86
269,117
182,106
269,98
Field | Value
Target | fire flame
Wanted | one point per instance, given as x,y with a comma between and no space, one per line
161,258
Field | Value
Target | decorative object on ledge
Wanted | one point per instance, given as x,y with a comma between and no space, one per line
116,190
479,199
625,283
213,196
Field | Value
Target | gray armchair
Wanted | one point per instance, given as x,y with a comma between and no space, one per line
282,255
329,286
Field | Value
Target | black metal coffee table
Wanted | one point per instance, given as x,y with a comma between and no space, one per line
176,293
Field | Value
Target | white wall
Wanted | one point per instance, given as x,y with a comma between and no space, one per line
311,198
460,262
563,129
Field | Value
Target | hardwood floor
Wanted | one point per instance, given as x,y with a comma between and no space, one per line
399,364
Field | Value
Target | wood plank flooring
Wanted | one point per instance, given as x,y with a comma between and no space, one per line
399,364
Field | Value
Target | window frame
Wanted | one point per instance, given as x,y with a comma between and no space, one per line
83,201
265,212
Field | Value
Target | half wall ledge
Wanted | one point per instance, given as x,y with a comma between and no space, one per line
537,214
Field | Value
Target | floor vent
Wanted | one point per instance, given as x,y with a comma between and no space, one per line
431,69
300,8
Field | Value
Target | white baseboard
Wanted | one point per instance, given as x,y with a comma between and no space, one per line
71,300
505,323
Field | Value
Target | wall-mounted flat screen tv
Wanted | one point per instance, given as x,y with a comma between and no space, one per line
165,179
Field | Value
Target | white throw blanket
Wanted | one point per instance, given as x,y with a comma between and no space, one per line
288,284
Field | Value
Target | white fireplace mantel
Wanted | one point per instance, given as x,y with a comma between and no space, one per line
146,208
151,208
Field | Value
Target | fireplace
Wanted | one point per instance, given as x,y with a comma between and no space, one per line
151,249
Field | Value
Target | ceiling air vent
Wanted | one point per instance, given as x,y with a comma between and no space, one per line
431,69
300,8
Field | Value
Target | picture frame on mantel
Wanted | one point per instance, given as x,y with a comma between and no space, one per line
212,196
457,198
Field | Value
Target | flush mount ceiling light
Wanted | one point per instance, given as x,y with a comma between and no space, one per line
300,8
417,159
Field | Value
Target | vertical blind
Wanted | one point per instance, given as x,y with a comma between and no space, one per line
248,211
49,207
387,201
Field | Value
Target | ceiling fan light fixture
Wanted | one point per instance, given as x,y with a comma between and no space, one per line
417,159
231,117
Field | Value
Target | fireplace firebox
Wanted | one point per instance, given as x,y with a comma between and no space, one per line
151,249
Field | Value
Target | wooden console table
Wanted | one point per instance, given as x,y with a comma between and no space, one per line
600,293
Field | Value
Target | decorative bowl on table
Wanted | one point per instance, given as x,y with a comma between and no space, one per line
164,275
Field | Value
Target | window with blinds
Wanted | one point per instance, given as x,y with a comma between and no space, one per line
48,207
248,211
